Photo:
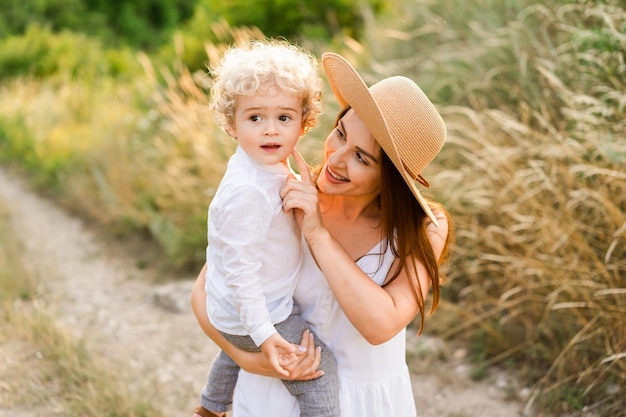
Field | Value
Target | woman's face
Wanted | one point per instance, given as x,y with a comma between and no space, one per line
351,160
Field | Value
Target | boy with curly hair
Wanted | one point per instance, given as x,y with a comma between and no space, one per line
266,95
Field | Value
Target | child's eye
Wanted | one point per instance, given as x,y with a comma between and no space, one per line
255,118
284,118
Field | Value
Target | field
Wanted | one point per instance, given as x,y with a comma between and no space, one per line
533,171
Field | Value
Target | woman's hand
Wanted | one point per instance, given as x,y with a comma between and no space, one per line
304,366
252,362
302,196
301,364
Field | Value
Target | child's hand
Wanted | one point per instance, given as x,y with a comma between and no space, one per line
277,350
308,359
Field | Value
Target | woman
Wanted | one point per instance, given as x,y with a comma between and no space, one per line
374,250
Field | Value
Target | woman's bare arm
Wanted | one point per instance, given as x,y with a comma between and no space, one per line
304,367
377,313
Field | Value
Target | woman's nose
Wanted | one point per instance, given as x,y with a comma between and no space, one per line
336,157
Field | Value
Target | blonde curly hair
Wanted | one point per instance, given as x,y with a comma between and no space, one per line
259,65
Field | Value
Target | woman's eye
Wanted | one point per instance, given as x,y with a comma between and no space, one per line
340,133
360,158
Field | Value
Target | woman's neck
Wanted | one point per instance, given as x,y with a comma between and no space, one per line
350,209
355,225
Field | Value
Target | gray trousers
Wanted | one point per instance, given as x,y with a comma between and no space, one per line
317,398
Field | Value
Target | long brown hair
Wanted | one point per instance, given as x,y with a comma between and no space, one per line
404,223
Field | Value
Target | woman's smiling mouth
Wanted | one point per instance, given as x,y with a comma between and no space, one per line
334,177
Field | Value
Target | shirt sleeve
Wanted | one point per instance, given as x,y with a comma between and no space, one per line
244,229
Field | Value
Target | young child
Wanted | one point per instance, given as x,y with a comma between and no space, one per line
266,95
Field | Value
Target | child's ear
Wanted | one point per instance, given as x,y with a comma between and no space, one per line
232,132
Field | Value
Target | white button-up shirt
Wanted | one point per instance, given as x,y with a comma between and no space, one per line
254,251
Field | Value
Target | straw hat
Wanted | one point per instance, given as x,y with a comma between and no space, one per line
399,116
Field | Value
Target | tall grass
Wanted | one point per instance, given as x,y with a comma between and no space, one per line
533,172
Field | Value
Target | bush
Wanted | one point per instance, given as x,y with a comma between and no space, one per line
40,53
293,19
18,15
299,21
143,24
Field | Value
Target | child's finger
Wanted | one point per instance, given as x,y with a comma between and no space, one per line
279,368
305,174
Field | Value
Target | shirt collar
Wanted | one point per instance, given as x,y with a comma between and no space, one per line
278,168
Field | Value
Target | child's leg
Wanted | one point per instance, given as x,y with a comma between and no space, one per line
318,397
217,394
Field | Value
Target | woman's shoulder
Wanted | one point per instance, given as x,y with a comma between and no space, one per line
438,234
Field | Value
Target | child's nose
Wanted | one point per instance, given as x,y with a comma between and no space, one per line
270,128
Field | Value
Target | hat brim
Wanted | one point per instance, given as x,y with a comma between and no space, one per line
350,90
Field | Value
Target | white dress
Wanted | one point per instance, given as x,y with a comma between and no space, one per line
374,380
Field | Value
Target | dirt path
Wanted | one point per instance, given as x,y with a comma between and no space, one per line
102,296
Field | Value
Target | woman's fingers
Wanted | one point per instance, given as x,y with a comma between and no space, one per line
301,354
305,367
308,369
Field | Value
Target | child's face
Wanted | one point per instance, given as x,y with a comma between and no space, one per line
267,126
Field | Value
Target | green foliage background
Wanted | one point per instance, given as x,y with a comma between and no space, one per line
104,107
138,23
